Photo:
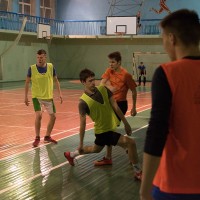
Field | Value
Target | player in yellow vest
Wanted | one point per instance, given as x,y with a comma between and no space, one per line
42,76
171,154
98,103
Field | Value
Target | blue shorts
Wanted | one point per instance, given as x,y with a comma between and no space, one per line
159,195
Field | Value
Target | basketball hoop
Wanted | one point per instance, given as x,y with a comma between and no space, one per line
120,35
48,39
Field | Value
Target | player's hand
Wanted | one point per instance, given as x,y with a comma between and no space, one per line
26,101
146,197
80,149
61,99
128,129
133,112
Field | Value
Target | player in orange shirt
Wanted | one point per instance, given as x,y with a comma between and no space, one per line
119,81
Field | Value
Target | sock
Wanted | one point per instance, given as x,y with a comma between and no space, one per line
74,154
137,167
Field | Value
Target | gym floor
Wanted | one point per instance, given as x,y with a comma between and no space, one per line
43,173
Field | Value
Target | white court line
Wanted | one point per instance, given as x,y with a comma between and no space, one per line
31,113
17,114
65,131
55,167
28,127
17,146
140,128
40,174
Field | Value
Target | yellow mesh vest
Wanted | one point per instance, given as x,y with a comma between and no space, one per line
102,114
42,84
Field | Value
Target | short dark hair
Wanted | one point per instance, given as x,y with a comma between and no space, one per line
184,24
41,51
115,55
85,73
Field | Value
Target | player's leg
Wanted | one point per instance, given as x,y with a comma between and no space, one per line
164,7
161,10
128,143
92,149
144,80
70,156
139,80
156,11
50,108
107,159
38,118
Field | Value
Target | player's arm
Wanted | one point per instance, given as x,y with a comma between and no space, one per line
103,81
27,82
134,99
106,82
83,111
121,115
132,86
58,88
157,131
82,131
150,166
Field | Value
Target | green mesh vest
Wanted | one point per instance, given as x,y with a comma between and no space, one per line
101,114
42,84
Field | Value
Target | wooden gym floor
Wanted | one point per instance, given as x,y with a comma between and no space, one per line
43,173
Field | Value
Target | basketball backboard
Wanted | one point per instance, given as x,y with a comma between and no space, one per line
127,25
43,31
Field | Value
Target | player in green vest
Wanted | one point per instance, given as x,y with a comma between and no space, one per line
99,105
42,75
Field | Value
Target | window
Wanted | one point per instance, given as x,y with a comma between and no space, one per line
25,7
47,8
4,5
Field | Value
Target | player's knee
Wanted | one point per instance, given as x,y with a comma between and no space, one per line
53,117
130,142
39,117
96,149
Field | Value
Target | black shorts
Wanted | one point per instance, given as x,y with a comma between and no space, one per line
123,105
142,73
108,138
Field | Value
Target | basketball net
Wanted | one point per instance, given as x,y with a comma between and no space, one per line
119,36
48,39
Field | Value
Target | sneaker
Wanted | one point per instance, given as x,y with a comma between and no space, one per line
138,175
36,141
48,139
104,161
69,158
